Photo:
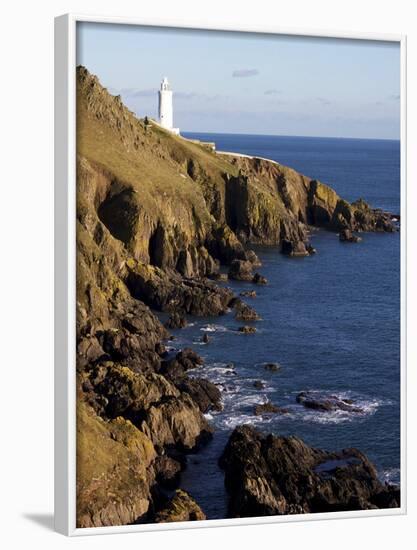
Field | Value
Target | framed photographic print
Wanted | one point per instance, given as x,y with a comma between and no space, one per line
230,275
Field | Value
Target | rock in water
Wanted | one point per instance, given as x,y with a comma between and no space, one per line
259,385
247,330
293,248
347,236
259,279
243,311
267,408
248,293
181,507
241,270
268,475
313,400
272,367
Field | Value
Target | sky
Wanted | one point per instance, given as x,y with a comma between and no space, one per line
250,83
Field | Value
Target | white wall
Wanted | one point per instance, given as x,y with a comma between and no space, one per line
26,271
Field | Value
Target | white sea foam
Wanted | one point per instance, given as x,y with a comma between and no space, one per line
368,406
213,328
390,475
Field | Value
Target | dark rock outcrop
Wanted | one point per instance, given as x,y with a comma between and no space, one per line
272,367
246,329
259,279
269,475
182,507
347,236
319,402
176,320
241,270
243,311
293,248
203,392
268,408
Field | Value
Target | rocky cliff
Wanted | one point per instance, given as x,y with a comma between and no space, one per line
156,216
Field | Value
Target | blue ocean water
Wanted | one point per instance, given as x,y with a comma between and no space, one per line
332,321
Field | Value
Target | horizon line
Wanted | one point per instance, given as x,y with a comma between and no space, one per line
290,136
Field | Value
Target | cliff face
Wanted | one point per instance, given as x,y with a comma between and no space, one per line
155,215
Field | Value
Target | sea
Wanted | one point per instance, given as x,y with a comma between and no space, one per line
331,321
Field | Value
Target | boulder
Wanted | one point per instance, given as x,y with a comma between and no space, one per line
177,422
248,293
247,329
267,408
243,311
347,236
167,471
203,392
293,248
241,270
182,507
272,367
259,279
175,368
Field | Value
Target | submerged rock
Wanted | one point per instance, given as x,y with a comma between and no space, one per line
272,367
268,475
259,385
248,293
313,400
267,408
247,329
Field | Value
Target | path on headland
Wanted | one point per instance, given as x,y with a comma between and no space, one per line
232,154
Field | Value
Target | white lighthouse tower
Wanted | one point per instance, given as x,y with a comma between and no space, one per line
165,107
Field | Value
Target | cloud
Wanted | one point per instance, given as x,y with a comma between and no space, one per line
272,91
323,100
243,73
134,92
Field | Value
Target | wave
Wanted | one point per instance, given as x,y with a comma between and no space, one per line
391,476
367,405
214,328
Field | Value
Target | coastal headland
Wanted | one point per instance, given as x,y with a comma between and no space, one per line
159,219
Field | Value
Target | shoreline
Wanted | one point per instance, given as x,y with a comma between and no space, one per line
157,218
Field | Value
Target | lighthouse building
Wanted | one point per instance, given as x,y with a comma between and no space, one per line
165,107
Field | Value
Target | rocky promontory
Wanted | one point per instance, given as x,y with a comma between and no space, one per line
268,475
157,216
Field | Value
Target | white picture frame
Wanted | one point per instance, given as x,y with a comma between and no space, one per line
65,276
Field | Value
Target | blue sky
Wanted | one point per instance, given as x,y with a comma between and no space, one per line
250,83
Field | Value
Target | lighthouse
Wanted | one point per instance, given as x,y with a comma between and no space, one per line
165,107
